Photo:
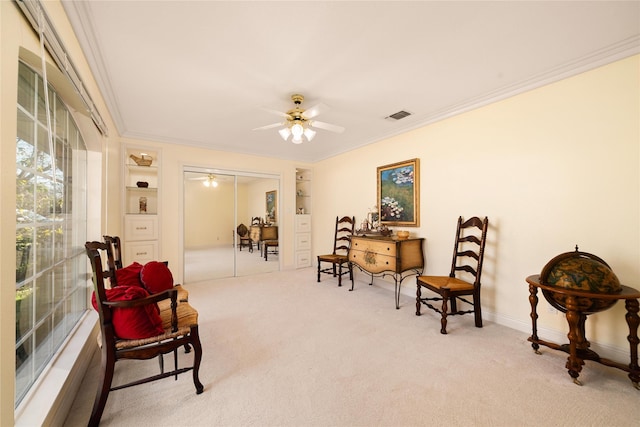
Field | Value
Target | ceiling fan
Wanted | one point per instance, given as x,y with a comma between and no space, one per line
209,180
298,122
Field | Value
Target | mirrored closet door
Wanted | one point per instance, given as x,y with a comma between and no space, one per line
217,204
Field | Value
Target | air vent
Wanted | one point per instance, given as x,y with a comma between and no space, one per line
399,115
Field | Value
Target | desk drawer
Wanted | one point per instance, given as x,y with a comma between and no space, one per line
373,262
387,248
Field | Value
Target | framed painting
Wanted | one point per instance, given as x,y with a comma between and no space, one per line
399,193
272,205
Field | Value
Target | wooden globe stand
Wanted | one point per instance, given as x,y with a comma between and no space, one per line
578,347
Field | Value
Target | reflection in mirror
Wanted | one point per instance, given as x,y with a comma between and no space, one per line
213,248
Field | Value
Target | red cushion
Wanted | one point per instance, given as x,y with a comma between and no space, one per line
130,275
135,322
156,277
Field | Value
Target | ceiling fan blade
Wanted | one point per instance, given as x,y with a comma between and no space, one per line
314,111
276,112
326,126
271,126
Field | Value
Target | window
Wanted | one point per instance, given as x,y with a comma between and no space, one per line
51,265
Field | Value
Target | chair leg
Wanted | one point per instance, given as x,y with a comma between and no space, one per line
104,386
197,358
477,310
339,274
318,269
443,321
418,302
175,362
334,269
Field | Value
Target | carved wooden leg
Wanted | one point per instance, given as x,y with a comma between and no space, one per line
197,358
334,269
633,321
418,296
533,300
443,321
104,386
574,363
339,274
351,269
318,269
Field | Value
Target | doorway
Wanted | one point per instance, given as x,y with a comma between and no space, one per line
216,202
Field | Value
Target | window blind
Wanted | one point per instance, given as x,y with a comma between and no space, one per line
37,16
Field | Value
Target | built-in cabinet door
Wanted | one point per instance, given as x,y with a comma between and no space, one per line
303,241
141,252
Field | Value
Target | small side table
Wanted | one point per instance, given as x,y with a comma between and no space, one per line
578,347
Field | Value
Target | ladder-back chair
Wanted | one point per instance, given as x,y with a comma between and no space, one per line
341,243
468,254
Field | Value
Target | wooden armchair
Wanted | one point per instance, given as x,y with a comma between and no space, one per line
244,238
155,332
468,254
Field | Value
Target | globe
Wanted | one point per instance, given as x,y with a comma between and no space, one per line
580,271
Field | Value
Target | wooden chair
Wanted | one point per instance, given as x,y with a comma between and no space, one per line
243,235
340,255
269,239
468,253
179,321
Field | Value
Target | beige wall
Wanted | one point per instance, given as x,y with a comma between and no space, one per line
551,168
209,221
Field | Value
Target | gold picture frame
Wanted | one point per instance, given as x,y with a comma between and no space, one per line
271,200
399,194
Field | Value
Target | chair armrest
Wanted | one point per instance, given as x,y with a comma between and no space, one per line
168,294
171,294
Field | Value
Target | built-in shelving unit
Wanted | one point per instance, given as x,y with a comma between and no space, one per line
141,200
303,218
303,191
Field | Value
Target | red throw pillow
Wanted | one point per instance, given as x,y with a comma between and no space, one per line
129,275
156,277
135,322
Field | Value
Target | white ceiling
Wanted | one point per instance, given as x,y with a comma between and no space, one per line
202,73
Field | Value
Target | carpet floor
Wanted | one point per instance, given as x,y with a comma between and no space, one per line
280,349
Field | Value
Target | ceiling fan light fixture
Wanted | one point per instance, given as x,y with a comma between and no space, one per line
310,134
284,133
298,122
210,181
297,130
